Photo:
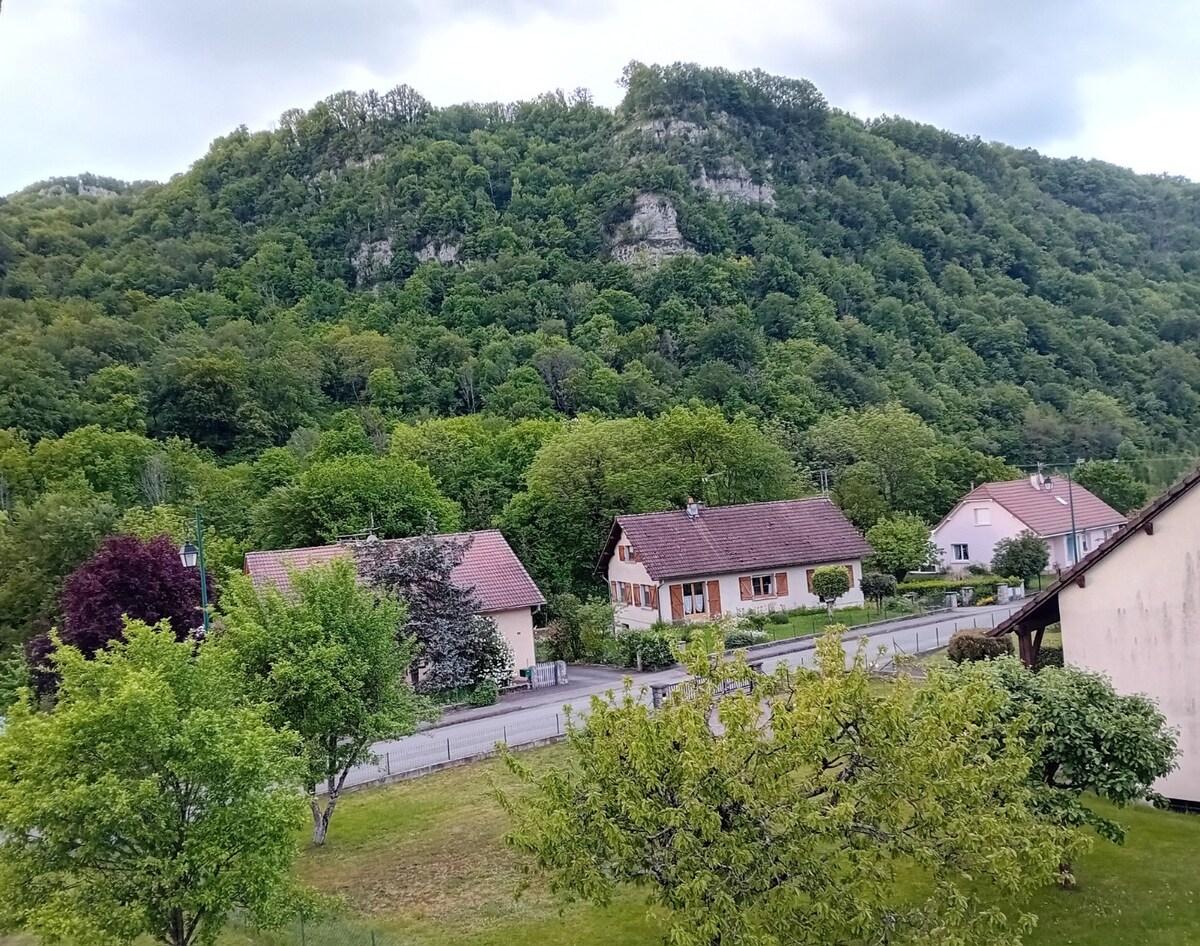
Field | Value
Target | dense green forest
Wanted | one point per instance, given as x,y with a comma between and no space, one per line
538,314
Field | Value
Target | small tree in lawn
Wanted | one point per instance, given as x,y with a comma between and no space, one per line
877,586
457,648
797,813
153,801
1024,556
829,583
902,544
1090,739
330,660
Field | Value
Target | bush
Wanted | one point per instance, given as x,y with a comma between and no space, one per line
876,586
975,568
986,600
778,617
973,644
744,638
486,693
657,651
1049,656
900,606
754,620
984,585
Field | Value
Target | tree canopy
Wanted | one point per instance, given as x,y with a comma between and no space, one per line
816,809
154,800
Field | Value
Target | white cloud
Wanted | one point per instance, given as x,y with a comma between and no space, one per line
137,89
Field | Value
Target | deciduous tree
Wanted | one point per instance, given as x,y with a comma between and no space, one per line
153,801
902,544
1089,740
330,661
1024,556
1114,483
830,583
816,809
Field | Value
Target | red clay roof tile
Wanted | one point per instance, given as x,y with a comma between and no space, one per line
1047,511
489,566
726,539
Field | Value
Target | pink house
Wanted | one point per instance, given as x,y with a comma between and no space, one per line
969,532
489,567
699,563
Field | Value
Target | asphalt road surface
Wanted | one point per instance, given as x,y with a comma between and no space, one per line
534,715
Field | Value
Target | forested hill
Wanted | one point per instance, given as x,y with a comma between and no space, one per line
718,239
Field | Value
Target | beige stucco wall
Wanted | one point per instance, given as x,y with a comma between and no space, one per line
1137,619
517,628
798,595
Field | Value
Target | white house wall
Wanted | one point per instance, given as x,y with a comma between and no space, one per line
798,595
516,627
959,529
1137,619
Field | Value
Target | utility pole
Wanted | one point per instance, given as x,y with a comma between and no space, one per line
193,556
1071,503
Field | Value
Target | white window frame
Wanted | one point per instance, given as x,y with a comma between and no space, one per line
983,515
695,592
966,551
763,586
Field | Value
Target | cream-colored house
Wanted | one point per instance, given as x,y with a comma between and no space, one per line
699,563
1070,519
488,567
1131,610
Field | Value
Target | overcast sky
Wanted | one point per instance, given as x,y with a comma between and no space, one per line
138,88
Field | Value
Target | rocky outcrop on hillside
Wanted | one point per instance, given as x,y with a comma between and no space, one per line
733,182
370,260
441,252
663,129
651,234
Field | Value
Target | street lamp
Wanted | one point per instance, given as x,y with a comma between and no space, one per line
193,555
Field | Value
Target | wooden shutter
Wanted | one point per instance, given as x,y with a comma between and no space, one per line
745,589
781,585
850,572
677,602
612,592
808,575
714,599
653,596
637,595
621,552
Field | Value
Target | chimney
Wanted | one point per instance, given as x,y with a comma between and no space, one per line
1035,480
693,508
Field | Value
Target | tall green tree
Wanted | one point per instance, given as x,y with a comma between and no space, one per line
1114,483
1025,556
598,469
902,544
819,808
330,662
155,800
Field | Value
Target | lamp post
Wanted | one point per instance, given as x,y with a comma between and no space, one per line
193,555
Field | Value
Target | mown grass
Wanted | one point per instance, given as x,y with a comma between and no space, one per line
423,863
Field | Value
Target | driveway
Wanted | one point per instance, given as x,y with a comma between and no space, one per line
533,716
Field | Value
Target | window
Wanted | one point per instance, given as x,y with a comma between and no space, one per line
649,596
960,552
763,585
693,597
983,516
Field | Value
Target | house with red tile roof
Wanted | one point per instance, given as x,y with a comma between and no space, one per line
700,563
489,568
1045,505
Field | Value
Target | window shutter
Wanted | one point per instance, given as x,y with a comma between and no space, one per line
808,575
621,552
850,572
745,590
653,589
781,585
677,602
628,592
714,599
637,595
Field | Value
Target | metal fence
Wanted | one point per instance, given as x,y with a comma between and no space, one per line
436,748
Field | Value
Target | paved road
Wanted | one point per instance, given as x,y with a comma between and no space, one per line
534,715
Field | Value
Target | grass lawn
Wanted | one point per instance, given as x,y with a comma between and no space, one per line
423,863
